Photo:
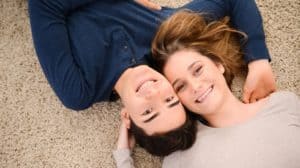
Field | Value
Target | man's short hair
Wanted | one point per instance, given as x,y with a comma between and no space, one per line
163,144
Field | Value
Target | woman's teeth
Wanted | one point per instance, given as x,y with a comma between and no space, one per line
204,95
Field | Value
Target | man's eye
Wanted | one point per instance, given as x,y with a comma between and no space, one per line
148,111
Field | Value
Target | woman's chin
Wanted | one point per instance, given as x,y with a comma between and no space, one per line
208,106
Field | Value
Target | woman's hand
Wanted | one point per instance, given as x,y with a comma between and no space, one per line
125,140
260,81
149,4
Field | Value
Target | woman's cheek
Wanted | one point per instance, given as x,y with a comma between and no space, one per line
186,100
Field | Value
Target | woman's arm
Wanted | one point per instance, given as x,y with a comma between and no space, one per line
51,41
123,158
124,146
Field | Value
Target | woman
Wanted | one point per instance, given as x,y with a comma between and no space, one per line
198,60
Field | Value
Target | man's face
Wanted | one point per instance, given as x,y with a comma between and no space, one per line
150,101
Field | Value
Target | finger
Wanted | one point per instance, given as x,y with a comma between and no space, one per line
123,138
263,92
123,130
246,96
257,95
131,141
122,114
149,4
273,89
154,6
253,99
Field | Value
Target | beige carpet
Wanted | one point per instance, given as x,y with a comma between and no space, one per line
37,131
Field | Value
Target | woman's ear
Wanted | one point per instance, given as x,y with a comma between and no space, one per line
221,67
125,117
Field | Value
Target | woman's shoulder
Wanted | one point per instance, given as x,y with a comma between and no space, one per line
284,99
171,160
284,96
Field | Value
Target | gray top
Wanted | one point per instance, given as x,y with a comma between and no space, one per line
123,158
270,139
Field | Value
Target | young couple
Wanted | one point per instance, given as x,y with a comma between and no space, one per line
90,49
200,59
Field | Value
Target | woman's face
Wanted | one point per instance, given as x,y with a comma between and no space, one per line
197,80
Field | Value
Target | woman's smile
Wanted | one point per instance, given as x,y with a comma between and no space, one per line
202,97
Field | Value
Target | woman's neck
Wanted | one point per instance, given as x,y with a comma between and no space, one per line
233,112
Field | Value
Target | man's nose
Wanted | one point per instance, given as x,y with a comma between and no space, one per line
152,92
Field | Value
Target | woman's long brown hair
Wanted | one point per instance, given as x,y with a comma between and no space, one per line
189,30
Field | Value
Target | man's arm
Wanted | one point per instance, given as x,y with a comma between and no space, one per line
244,16
260,81
51,41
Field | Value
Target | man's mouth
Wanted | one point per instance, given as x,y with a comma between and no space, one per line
204,95
144,84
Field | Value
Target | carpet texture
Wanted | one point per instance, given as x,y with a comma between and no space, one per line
37,131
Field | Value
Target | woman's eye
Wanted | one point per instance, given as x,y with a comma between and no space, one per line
179,88
198,70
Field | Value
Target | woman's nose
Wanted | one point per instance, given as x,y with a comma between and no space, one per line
195,86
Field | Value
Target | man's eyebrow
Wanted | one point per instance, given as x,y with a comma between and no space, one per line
174,104
151,118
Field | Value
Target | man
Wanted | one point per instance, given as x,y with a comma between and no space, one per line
88,48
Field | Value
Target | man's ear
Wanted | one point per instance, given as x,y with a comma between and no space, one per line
125,117
221,67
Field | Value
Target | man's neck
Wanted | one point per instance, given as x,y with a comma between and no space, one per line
119,86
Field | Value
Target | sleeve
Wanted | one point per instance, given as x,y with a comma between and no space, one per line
287,101
295,103
123,158
171,162
245,17
51,41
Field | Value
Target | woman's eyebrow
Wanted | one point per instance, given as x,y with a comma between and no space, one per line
191,66
151,118
188,68
174,83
